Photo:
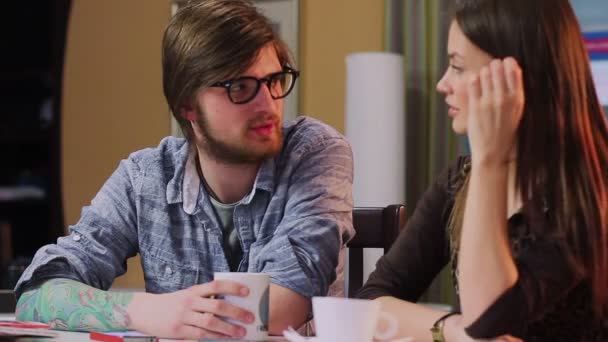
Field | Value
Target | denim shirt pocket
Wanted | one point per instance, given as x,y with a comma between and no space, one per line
163,276
254,254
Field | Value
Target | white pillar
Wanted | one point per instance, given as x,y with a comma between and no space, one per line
375,126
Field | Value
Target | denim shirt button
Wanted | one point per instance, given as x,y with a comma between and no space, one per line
168,270
76,237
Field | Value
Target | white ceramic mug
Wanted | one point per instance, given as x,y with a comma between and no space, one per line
353,320
256,302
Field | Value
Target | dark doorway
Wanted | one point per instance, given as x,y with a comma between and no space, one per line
31,70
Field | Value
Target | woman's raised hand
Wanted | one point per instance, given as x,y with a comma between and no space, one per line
496,103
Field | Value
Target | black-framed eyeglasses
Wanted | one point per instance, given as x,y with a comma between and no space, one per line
243,89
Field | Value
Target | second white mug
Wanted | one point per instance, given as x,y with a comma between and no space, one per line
353,320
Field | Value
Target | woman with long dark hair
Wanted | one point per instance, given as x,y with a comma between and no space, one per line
524,219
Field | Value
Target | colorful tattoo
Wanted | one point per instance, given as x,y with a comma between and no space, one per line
69,305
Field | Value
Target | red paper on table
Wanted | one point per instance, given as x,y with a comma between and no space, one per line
126,336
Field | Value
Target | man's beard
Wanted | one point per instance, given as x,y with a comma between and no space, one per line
242,153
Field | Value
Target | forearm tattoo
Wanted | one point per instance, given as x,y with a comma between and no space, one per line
69,305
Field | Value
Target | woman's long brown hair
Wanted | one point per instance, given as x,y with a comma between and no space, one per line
562,150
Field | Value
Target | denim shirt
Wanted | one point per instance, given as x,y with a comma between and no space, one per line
293,224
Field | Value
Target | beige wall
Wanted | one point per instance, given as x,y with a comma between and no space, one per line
112,97
113,103
330,30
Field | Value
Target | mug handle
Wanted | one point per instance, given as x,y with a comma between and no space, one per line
391,329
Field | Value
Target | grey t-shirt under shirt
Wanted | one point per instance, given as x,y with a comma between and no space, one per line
231,243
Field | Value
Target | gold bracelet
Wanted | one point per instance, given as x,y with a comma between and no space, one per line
437,329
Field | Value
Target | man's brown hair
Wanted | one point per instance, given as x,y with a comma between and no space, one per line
208,41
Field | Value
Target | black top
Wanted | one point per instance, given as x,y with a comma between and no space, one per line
547,303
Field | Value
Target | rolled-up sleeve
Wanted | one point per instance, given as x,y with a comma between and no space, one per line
96,250
303,253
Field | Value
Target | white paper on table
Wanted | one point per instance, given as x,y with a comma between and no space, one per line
293,336
37,332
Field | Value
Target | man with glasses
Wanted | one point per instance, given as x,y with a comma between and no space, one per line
242,193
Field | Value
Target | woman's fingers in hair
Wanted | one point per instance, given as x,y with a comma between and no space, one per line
515,83
499,83
513,75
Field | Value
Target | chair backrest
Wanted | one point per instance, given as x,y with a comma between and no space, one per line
375,227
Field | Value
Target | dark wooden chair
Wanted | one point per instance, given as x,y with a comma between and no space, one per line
375,227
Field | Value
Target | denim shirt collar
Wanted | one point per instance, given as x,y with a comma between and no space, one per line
175,184
185,186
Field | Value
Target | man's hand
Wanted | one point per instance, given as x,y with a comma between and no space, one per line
192,313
